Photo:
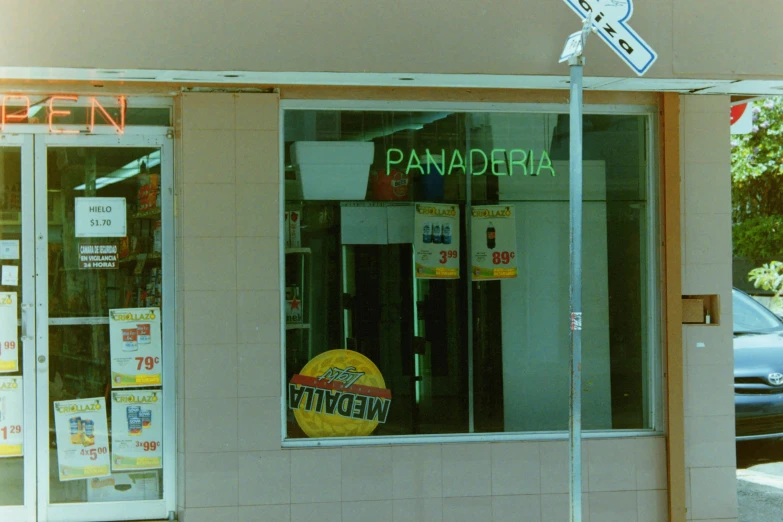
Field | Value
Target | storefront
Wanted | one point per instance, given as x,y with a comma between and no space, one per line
87,393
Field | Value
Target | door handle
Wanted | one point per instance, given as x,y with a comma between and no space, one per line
25,325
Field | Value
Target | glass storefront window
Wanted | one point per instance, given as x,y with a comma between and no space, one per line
477,350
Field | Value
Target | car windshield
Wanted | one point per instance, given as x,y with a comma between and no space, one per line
752,317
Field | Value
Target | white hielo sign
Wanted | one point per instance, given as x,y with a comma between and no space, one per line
100,217
610,20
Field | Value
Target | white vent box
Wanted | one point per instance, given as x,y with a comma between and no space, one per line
332,169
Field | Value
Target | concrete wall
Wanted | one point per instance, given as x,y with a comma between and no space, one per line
231,465
693,38
706,269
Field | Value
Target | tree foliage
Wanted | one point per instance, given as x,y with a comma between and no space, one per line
757,184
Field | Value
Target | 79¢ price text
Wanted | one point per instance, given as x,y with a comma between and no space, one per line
148,362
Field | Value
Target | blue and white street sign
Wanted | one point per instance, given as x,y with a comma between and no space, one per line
610,20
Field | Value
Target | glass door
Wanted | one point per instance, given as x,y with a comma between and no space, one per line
105,352
17,327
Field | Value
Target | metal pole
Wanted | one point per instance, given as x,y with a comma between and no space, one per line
575,230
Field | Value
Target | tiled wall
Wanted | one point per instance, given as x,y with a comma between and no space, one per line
710,458
231,465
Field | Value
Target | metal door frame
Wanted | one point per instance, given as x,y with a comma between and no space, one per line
27,511
102,511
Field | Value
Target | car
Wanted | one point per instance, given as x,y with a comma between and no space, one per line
758,369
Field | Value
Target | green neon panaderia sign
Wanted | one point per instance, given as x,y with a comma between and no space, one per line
518,161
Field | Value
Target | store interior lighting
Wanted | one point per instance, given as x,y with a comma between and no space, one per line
134,168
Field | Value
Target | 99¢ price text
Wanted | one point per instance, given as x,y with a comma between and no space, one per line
148,445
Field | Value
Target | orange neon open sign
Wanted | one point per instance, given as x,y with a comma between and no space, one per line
15,108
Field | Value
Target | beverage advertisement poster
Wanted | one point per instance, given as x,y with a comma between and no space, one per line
136,430
134,334
436,241
82,438
11,417
494,242
9,341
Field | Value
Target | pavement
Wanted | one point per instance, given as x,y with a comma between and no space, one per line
760,482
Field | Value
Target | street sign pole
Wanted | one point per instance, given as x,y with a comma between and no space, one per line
576,63
574,53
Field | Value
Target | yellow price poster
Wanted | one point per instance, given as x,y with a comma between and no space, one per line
493,242
9,340
82,438
135,339
11,417
137,430
436,241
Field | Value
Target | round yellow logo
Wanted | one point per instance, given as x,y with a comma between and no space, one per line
339,393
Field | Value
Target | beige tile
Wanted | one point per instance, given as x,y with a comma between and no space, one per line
319,511
612,464
695,104
210,263
210,514
613,506
709,390
375,510
258,210
706,138
418,509
556,508
211,371
258,263
210,425
467,509
516,508
258,157
652,505
210,317
279,513
416,471
706,191
367,474
259,370
709,441
708,238
181,423
516,468
259,424
710,345
258,111
264,478
211,479
208,210
651,462
713,492
314,476
554,466
258,316
208,156
208,111
467,470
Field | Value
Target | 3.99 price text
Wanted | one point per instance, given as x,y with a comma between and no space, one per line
445,255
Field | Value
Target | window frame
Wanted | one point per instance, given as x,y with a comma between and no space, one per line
653,300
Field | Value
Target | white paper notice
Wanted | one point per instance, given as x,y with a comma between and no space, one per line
9,340
82,438
10,275
137,430
362,224
134,334
100,217
400,226
11,417
9,249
